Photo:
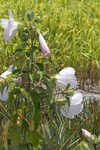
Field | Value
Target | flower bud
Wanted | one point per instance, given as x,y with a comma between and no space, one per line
86,133
43,45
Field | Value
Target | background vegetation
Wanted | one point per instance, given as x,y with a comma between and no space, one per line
72,31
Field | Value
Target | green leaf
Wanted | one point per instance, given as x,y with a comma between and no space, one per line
15,134
36,119
36,100
40,66
31,76
84,146
33,137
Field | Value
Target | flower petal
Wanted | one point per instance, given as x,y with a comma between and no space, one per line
10,30
76,98
67,76
66,113
67,71
65,80
10,15
4,23
76,109
71,111
4,95
7,72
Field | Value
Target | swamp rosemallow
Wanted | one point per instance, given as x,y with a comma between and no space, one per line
66,76
75,107
10,26
86,133
7,72
5,93
43,45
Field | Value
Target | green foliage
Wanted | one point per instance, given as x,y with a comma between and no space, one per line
23,107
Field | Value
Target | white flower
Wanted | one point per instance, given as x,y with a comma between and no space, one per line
86,133
7,72
4,95
10,26
43,45
67,76
75,107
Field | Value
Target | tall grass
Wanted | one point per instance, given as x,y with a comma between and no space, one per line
71,29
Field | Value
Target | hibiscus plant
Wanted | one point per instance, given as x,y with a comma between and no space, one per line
27,87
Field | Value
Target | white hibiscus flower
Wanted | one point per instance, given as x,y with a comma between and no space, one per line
75,107
67,76
5,93
10,26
